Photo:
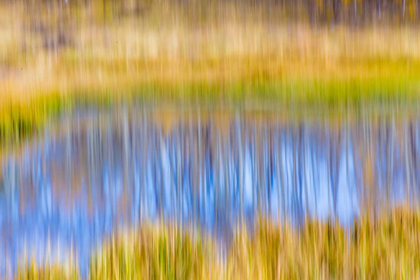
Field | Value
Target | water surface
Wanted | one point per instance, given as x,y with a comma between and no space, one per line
95,172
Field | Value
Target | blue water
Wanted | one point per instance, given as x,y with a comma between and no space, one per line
94,173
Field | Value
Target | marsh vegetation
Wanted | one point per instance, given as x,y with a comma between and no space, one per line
190,139
373,248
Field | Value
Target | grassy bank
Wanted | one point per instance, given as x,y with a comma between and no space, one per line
229,50
384,247
55,55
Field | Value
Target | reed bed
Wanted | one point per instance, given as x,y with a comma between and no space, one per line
198,50
373,248
386,248
50,271
55,55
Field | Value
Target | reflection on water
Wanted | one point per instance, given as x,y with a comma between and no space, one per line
97,172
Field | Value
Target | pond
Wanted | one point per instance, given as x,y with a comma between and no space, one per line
95,172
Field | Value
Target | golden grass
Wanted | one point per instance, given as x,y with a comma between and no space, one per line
49,272
167,51
381,248
386,248
53,55
160,253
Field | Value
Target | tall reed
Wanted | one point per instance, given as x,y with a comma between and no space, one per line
382,247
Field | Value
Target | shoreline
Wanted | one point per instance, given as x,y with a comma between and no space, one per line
373,247
54,57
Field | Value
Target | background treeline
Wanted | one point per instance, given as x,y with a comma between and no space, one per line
354,12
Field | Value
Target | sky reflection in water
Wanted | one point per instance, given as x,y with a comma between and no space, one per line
98,172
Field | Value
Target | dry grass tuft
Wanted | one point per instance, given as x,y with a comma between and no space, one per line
383,247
